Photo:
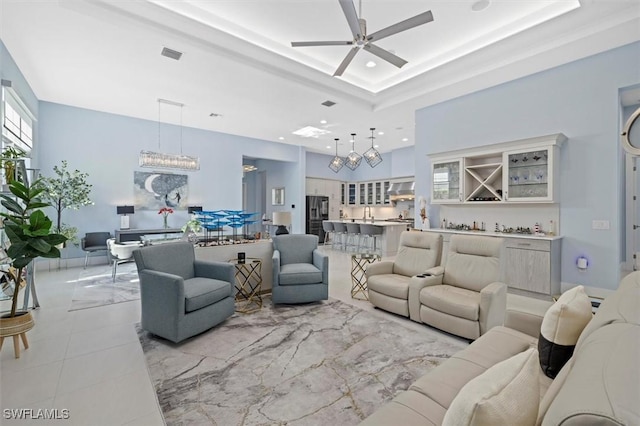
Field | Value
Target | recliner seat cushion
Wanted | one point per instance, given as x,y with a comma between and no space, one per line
201,292
299,273
392,285
454,301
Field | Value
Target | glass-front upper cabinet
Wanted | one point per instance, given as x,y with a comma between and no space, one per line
529,175
378,199
343,196
385,194
362,194
370,193
352,194
446,181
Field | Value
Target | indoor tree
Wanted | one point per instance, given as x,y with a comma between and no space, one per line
67,190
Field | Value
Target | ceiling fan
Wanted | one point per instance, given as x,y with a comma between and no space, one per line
362,40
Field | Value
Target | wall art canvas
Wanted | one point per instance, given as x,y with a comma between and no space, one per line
152,190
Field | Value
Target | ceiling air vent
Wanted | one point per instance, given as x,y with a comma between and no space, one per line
328,103
170,53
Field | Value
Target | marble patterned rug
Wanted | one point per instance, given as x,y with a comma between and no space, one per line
95,287
326,363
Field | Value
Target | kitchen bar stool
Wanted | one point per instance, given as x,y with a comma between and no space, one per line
353,237
339,235
369,234
328,229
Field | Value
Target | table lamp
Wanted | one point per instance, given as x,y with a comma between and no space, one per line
124,219
282,220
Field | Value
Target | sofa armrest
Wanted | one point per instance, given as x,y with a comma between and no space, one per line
493,305
321,261
525,314
436,270
379,268
275,268
416,284
222,271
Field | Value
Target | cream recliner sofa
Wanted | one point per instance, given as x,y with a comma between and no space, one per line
388,281
599,385
466,299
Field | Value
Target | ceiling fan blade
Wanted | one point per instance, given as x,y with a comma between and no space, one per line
352,18
385,54
421,19
346,61
320,43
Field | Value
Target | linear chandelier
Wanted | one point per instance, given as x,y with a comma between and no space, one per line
169,161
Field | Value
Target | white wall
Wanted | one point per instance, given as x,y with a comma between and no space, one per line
579,99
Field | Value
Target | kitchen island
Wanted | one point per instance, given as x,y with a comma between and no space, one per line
390,236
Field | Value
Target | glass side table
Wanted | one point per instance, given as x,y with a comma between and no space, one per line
248,277
359,262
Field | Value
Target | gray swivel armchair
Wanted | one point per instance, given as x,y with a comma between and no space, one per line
388,282
182,296
467,300
300,270
93,242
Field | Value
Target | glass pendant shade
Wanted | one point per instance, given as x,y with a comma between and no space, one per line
372,156
353,159
337,162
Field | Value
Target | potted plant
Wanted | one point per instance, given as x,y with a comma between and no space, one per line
29,232
9,154
68,190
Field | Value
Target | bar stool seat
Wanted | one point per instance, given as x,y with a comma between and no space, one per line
328,230
353,236
339,235
370,234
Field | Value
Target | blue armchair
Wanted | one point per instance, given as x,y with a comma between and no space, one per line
181,296
300,270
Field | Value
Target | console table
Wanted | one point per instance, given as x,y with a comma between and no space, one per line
123,235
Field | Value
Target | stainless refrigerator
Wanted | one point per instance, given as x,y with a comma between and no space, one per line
317,211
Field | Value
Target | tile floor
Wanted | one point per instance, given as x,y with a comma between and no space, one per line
90,362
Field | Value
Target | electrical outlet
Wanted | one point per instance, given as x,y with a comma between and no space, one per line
599,224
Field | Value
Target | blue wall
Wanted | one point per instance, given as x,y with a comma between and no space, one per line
107,147
397,163
579,99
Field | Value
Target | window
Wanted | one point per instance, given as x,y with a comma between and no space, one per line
17,122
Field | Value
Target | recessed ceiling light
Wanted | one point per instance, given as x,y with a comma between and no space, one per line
323,121
281,138
371,64
381,133
376,146
404,139
480,5
329,147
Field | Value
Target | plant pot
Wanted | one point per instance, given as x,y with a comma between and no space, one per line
16,327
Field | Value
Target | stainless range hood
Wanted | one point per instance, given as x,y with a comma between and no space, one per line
401,191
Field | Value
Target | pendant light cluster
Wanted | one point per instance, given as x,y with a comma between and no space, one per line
353,160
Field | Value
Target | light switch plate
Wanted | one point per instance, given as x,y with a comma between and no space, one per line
600,224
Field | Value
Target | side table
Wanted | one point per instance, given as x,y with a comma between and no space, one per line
359,262
248,277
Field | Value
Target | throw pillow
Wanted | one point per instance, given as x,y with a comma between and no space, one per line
508,393
561,326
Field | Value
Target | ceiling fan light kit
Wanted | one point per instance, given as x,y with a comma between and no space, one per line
361,39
